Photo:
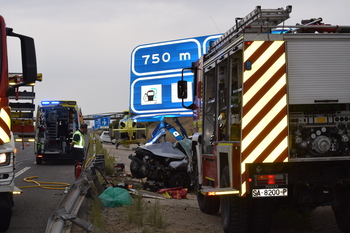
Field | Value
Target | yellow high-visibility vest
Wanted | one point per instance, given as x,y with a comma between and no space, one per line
80,143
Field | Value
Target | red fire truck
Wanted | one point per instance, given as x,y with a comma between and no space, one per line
272,120
7,145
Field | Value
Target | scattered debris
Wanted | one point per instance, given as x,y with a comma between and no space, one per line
176,193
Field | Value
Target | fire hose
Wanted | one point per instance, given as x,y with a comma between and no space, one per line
44,184
49,185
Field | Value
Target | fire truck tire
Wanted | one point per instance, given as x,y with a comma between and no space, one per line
208,205
261,215
6,204
234,209
180,179
342,208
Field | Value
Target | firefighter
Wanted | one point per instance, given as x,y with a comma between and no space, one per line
77,145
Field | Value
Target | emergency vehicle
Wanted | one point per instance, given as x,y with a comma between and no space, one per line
272,120
7,145
22,108
56,122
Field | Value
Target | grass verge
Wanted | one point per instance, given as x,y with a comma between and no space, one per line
145,217
138,214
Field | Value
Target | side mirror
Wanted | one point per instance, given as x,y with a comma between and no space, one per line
182,89
29,68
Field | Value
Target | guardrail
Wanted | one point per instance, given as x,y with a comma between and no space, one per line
65,214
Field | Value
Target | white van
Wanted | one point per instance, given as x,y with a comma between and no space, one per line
105,137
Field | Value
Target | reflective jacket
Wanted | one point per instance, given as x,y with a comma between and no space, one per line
79,144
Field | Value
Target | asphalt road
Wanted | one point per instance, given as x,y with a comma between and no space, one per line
35,205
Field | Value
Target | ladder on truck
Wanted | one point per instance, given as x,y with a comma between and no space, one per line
52,125
255,22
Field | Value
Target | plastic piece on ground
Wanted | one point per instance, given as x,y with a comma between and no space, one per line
115,197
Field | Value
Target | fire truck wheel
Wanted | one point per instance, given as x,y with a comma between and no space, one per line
342,207
5,211
180,179
261,215
208,204
234,209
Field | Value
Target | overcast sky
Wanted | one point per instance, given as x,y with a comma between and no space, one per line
84,46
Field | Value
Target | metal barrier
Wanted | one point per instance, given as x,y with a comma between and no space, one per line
65,214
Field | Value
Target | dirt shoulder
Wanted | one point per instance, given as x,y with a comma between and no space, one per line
184,215
178,215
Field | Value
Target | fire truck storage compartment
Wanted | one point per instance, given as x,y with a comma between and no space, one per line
319,98
318,68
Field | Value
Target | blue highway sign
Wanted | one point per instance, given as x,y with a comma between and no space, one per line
101,121
156,69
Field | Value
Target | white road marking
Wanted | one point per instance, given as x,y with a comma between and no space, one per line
22,171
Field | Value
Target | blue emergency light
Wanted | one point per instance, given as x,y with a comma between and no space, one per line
61,102
50,102
45,102
281,30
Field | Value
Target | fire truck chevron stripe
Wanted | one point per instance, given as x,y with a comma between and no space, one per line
260,84
264,105
272,93
270,143
264,56
5,125
261,131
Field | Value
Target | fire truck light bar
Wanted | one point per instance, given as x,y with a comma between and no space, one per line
58,102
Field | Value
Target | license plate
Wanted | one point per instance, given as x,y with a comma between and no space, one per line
279,192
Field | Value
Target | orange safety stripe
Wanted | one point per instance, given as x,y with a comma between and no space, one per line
264,106
5,125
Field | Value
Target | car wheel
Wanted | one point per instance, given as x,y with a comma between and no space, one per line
135,170
39,161
180,179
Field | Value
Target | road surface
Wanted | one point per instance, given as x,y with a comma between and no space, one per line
35,205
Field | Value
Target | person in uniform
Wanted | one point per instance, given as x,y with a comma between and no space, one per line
78,142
